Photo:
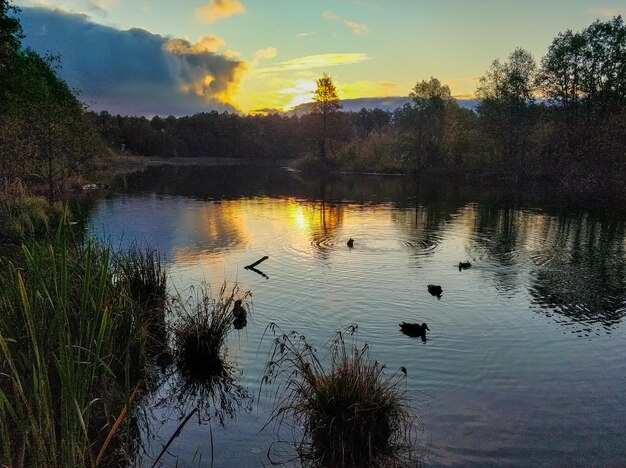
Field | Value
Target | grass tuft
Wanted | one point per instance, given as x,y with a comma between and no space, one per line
201,332
352,413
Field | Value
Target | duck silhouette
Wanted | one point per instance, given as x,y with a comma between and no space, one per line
435,290
414,330
464,265
350,242
240,316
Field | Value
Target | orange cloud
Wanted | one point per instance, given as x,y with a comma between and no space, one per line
218,9
208,43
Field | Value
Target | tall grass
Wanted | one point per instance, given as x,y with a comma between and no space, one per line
68,336
23,216
352,413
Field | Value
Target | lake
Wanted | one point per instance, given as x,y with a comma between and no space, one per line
524,363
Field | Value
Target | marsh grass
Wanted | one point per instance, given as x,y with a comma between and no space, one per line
145,276
352,413
141,274
69,341
23,216
202,328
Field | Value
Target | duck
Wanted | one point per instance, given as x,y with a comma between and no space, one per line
414,330
435,290
464,265
350,242
240,316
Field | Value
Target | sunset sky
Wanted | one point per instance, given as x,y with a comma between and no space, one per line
181,57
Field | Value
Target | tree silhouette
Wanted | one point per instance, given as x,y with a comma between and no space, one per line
326,103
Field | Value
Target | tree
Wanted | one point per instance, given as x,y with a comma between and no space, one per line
10,45
584,76
45,135
326,103
506,94
423,121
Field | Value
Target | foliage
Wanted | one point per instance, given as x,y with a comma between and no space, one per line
422,124
46,137
10,42
506,94
352,414
326,104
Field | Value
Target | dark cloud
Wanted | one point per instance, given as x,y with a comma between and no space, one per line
130,72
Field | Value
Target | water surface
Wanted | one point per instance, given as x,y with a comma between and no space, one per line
524,364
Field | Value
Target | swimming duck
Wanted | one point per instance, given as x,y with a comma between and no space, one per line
435,290
414,330
464,265
240,316
350,242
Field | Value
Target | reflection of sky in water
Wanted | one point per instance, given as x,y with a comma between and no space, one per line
504,377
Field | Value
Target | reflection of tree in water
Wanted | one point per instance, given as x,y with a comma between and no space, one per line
217,395
577,264
424,228
584,275
498,233
324,220
177,394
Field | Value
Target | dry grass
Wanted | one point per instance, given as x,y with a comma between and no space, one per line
353,414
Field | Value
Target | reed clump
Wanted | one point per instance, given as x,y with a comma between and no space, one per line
69,339
352,413
202,328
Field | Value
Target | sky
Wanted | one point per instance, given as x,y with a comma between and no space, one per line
165,57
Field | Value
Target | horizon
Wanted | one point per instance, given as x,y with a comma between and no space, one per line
140,58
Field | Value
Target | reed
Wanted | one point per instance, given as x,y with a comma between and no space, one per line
202,329
145,276
352,413
69,337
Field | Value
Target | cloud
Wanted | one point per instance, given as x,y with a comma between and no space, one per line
357,28
364,88
267,53
316,61
205,44
329,15
218,9
134,72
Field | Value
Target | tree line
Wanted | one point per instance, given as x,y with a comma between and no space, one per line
563,118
